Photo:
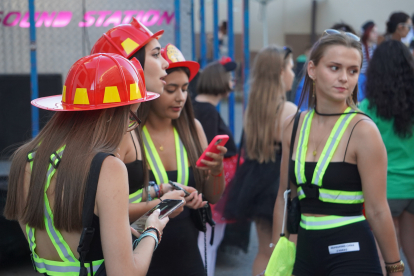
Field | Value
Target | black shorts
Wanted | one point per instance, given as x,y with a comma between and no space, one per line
346,250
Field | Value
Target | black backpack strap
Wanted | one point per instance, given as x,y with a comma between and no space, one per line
88,209
292,143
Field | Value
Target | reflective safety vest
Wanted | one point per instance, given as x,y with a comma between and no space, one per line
69,265
315,189
157,167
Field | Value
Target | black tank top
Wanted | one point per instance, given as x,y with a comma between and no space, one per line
338,176
135,172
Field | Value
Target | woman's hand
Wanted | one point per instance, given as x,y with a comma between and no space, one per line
195,200
153,220
178,195
216,165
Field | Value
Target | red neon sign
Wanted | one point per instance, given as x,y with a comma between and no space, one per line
59,19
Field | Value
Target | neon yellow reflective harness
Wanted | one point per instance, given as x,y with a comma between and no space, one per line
324,195
157,167
69,265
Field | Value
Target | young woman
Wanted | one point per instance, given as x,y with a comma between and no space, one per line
134,40
338,162
63,163
215,83
173,141
253,194
369,40
398,26
390,104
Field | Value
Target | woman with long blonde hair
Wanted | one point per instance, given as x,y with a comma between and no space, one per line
253,192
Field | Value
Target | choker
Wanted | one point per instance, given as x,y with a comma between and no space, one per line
334,114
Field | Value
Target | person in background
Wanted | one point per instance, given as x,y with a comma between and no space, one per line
299,73
223,40
343,27
398,26
369,40
215,83
409,39
253,191
390,103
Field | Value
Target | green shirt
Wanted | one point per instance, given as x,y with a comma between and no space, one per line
400,152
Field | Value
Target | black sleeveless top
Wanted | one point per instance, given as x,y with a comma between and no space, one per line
135,172
338,176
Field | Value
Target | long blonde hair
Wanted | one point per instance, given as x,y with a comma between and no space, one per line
266,99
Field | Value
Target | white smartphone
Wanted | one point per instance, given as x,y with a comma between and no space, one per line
167,206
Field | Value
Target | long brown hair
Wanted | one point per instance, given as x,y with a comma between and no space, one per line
186,128
266,99
84,133
317,52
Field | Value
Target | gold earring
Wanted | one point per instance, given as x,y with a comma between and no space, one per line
313,93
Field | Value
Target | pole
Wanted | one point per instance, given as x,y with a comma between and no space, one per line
264,23
246,53
215,30
177,24
313,21
33,69
193,52
230,33
203,44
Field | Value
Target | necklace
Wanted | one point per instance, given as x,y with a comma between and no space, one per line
335,114
316,147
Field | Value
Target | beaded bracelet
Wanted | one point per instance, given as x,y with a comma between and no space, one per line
155,229
143,235
156,190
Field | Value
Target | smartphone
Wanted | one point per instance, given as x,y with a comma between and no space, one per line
167,206
176,187
219,140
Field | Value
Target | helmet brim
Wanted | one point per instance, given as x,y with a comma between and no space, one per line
157,36
193,66
54,103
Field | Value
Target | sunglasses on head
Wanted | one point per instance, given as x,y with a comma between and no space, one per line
287,51
335,32
134,121
409,26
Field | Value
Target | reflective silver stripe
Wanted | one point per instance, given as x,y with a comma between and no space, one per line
133,199
182,161
63,269
301,193
341,197
328,152
298,159
56,238
49,220
31,244
154,161
329,222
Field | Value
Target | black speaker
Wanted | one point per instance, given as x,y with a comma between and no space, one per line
15,108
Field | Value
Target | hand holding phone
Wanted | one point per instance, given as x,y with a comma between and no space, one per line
166,207
219,140
176,187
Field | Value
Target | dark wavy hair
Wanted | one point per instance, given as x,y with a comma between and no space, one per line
390,85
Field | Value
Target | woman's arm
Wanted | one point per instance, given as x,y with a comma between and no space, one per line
280,202
372,166
215,183
112,209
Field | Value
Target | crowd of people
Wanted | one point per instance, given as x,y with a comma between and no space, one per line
125,126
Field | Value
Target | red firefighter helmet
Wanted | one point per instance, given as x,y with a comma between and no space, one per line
125,39
176,59
100,81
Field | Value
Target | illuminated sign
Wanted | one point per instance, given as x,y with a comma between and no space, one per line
58,19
